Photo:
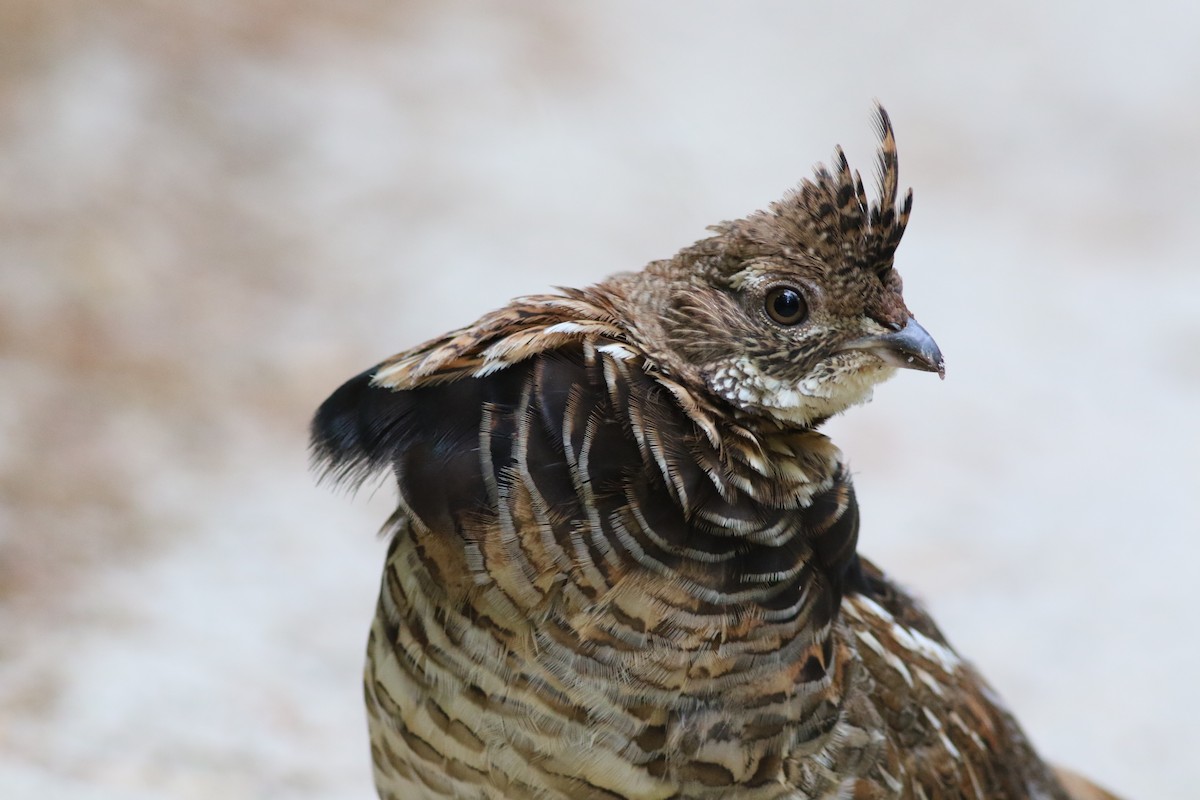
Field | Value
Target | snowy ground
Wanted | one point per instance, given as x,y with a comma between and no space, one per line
212,213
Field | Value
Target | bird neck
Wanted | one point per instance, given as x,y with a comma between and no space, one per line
724,516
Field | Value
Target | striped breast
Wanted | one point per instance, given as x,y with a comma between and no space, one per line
597,588
601,586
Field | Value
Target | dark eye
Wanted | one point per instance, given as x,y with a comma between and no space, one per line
786,305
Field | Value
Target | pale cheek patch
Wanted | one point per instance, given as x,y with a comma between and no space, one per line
830,389
737,380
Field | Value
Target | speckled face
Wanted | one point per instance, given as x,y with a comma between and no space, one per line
771,337
795,313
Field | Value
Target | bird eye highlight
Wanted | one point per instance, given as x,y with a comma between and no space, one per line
786,305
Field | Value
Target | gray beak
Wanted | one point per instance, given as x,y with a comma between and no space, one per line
911,347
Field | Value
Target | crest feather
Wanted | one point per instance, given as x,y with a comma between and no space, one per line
830,217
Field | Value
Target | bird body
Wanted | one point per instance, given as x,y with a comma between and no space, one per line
624,559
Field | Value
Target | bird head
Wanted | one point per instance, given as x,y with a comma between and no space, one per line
794,313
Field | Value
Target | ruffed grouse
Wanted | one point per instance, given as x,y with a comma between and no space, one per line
623,563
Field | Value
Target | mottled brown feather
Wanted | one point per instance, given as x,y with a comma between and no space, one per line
618,571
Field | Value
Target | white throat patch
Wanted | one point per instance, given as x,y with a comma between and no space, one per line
836,384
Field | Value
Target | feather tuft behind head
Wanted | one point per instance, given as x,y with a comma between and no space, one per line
829,216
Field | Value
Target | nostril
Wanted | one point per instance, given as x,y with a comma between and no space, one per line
890,324
893,322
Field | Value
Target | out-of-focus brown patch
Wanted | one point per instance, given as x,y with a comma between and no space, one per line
144,295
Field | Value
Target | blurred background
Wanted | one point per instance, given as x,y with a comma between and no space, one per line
213,213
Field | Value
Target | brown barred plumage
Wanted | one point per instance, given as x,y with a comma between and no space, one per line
624,560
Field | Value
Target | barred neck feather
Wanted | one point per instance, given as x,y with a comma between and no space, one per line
567,500
677,429
546,413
